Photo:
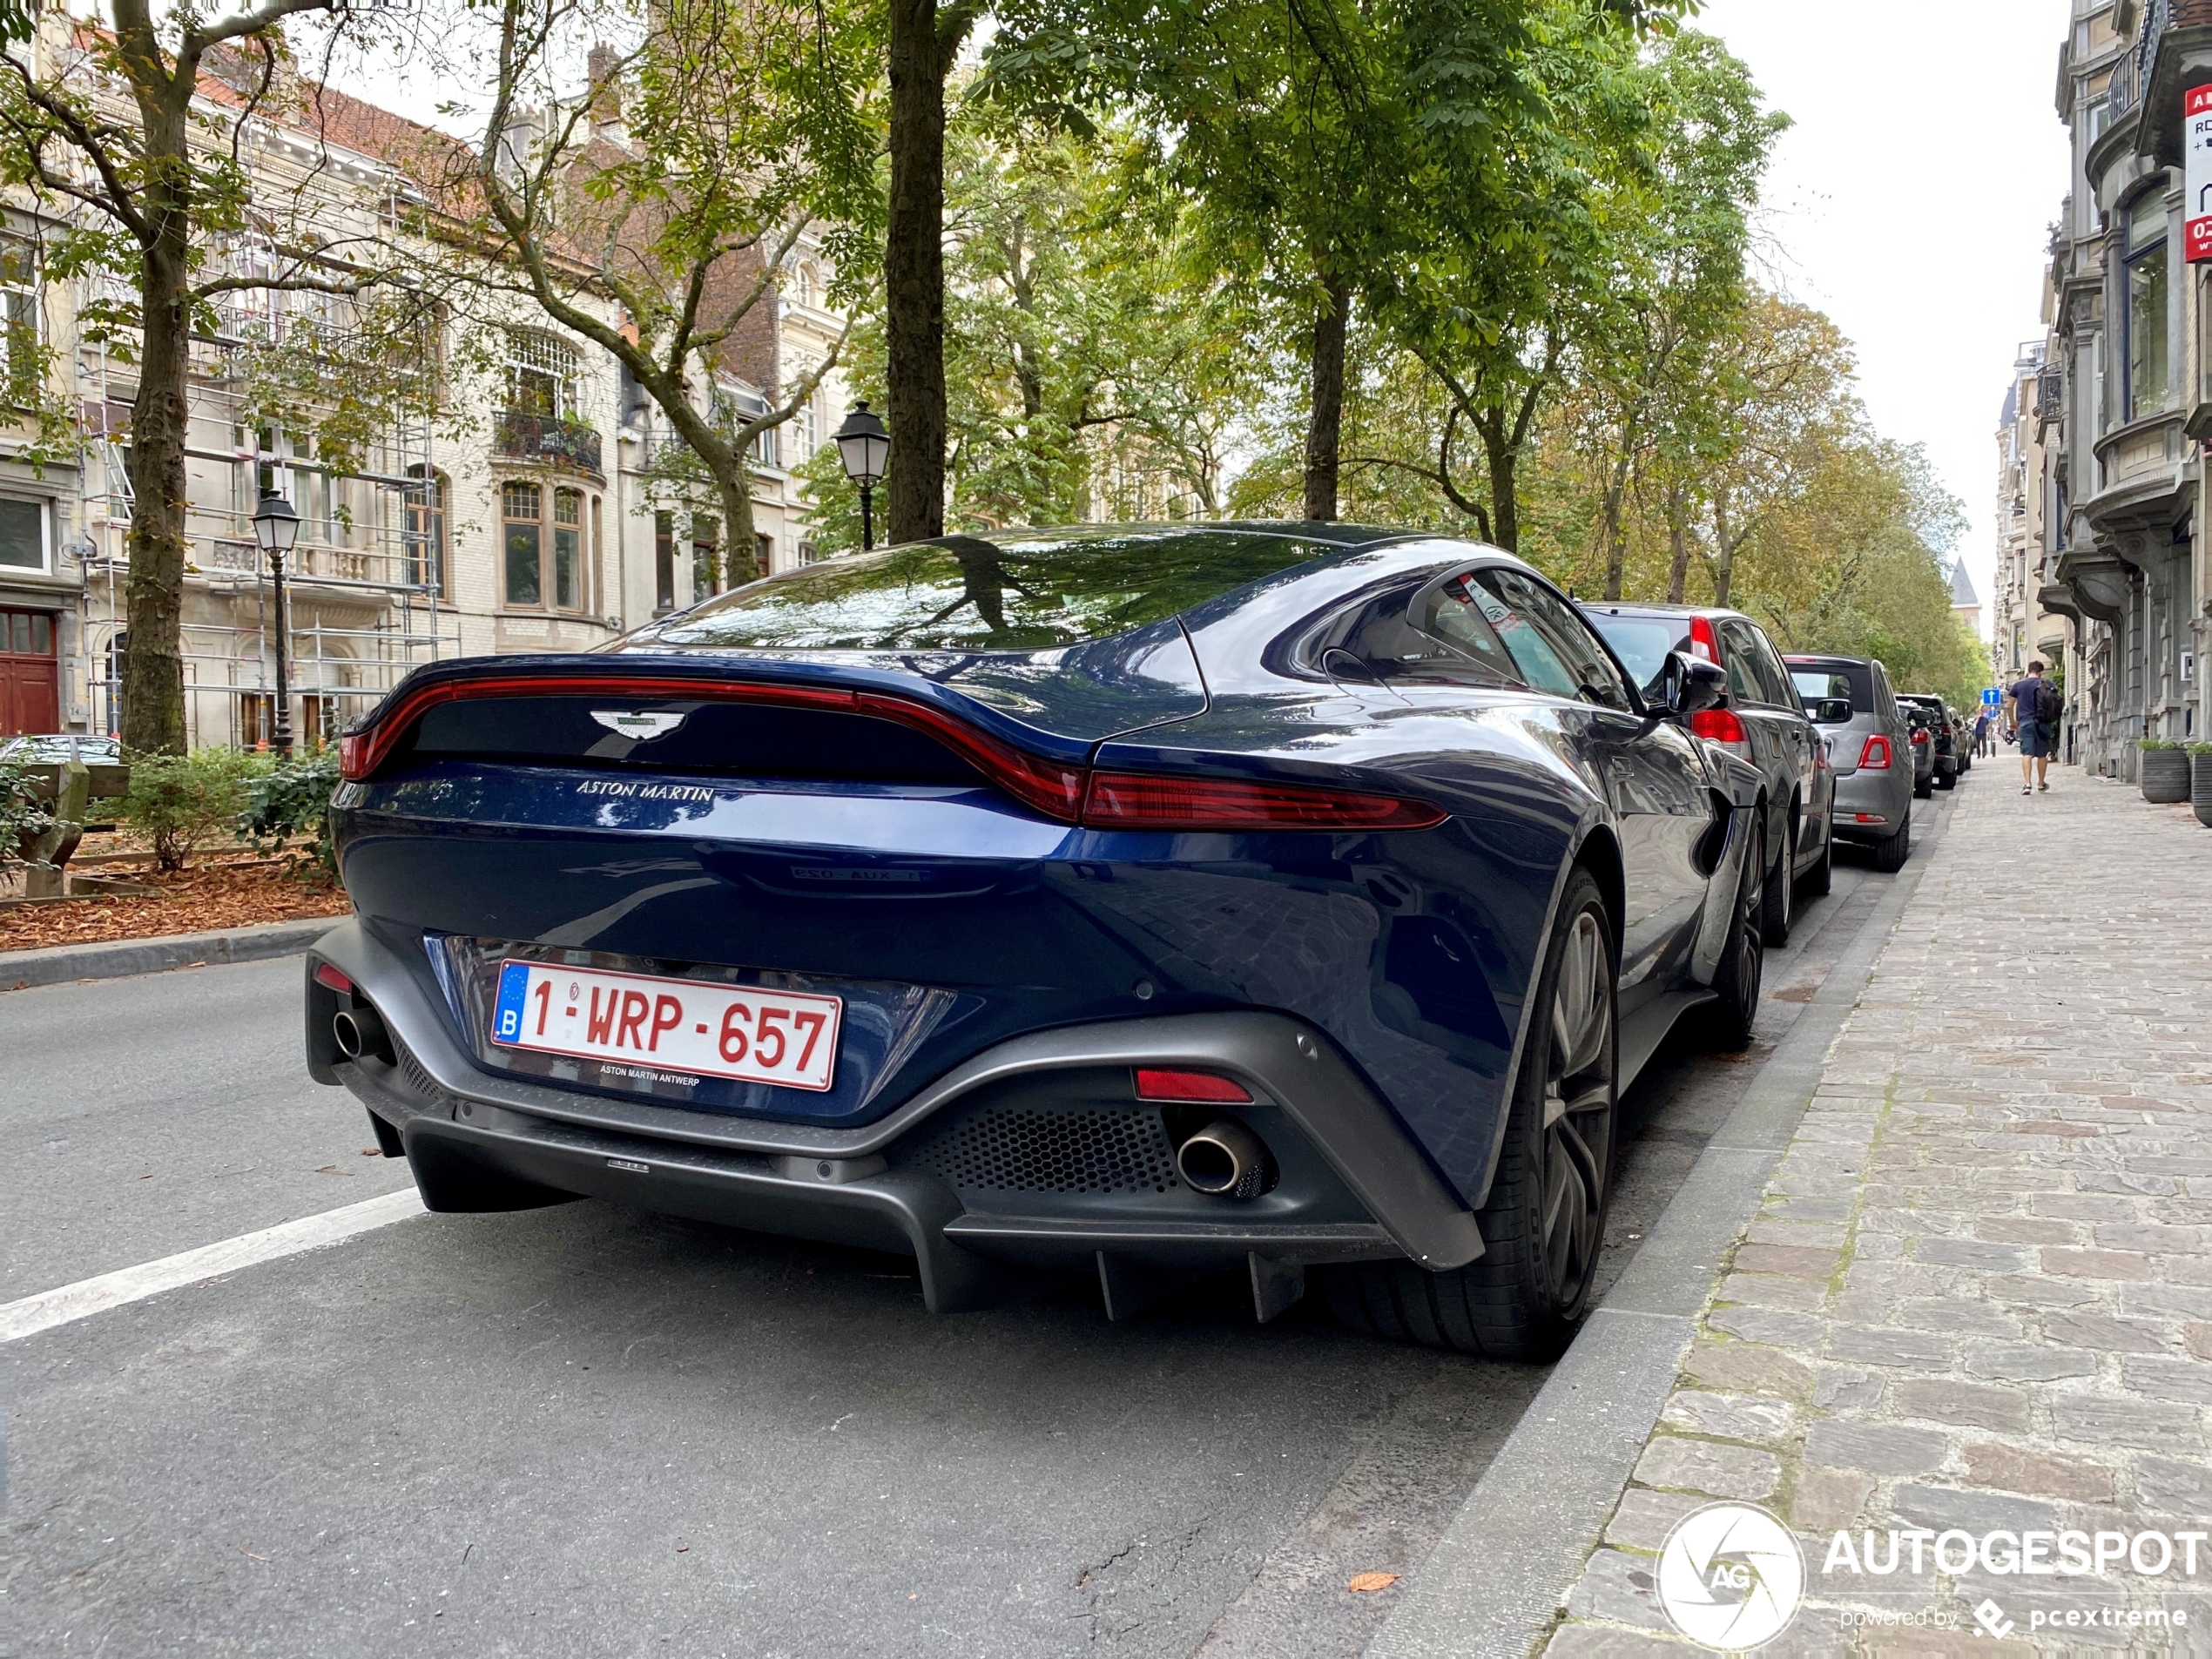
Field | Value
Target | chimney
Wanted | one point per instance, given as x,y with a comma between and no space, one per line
606,93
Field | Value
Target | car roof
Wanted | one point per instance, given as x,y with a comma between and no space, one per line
1326,534
1826,656
1636,608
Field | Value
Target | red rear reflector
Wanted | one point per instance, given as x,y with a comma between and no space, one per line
326,975
1872,817
1137,801
1875,756
1191,1086
1703,642
352,758
1719,724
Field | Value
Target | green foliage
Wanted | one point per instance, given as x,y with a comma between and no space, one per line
292,798
180,803
23,816
2148,744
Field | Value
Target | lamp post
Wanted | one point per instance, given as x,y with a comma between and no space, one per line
276,527
864,446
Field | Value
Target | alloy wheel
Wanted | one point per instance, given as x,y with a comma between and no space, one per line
1750,936
1579,1085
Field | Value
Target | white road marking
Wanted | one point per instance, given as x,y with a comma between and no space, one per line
67,1303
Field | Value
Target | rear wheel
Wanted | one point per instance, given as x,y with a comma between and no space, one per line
1890,852
1743,960
1781,906
1545,1218
1821,879
1924,788
1949,779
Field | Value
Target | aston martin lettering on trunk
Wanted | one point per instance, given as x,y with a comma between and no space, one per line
784,1037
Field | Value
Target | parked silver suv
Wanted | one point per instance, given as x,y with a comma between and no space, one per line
1869,746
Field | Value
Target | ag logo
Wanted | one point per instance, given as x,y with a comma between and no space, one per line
1730,1577
639,728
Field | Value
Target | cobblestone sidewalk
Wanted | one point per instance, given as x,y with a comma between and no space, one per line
1979,1292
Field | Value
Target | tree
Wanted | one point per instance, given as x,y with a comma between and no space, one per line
654,215
926,41
136,132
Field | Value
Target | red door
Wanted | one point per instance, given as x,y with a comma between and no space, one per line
30,692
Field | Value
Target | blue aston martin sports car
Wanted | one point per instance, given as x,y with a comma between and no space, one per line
1290,899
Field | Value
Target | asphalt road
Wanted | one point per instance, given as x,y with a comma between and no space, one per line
589,1430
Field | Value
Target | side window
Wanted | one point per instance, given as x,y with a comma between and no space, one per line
1453,612
1780,691
1741,647
1554,649
1385,634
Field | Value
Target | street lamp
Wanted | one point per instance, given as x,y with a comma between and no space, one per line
865,447
276,527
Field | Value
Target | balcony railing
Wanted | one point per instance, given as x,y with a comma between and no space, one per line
522,436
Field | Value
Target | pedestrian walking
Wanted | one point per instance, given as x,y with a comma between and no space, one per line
1981,734
2034,705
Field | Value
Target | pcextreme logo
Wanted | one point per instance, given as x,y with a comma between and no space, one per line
1730,1577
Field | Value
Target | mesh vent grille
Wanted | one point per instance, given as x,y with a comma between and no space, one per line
1012,1149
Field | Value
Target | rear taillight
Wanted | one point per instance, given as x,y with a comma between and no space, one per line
1156,1083
1720,726
1918,739
1703,642
1067,791
1874,754
1140,800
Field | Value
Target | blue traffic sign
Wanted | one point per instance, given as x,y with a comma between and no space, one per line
1990,697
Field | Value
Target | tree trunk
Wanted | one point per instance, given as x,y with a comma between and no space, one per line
1724,564
1677,545
1610,527
913,273
740,544
153,670
1503,456
1324,425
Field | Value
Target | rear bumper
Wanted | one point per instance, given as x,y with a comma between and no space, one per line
1354,1185
1884,793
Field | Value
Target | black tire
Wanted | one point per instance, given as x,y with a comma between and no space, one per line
1544,1221
1820,880
1892,851
1743,961
1949,779
1924,788
1780,908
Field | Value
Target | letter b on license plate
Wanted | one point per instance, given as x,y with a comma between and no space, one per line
784,1037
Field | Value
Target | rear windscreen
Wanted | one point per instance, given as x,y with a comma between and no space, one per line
1641,643
1847,680
1017,593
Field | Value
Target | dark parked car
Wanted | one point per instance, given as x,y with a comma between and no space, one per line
1869,747
1763,720
1943,736
1137,901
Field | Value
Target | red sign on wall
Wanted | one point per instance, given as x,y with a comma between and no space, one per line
2196,210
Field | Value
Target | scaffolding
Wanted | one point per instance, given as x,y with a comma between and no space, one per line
367,581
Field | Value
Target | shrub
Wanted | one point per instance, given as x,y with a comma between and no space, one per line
2148,744
292,798
2196,749
23,816
181,802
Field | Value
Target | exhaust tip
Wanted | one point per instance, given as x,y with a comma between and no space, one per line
360,1032
1225,1159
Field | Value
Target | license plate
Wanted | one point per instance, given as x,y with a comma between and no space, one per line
673,1025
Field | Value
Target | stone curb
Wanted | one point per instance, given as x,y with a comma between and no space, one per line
1492,1583
21,969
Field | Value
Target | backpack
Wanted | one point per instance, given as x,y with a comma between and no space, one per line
2048,704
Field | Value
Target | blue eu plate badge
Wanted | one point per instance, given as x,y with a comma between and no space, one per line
513,993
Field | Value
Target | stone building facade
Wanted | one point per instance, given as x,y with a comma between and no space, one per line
512,509
2129,380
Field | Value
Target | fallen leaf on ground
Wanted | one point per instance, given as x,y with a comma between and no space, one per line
1362,1583
325,1169
207,896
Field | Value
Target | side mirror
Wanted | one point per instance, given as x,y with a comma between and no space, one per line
1688,685
1831,711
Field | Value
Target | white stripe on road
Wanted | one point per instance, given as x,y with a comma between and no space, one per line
88,1295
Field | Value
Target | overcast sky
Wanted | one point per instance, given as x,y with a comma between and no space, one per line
1912,202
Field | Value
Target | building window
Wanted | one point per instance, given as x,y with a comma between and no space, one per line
528,530
23,534
663,561
567,550
808,437
542,373
2149,353
808,553
706,557
19,312
423,529
767,545
520,506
